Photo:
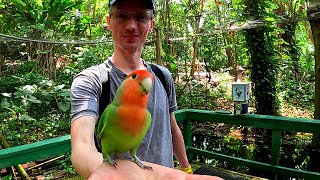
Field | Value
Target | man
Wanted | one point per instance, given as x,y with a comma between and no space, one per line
130,21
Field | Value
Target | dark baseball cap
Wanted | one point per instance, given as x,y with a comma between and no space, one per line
150,3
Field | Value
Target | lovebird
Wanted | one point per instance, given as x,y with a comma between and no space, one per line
126,120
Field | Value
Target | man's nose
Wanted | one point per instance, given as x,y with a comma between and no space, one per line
131,23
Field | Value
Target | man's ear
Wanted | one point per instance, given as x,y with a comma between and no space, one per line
152,26
108,22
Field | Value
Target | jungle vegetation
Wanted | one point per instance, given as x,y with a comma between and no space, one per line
205,44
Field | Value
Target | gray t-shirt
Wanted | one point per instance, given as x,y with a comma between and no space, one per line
157,144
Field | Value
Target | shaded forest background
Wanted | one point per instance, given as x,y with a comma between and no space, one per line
205,44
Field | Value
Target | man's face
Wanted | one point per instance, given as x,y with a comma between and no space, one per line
130,22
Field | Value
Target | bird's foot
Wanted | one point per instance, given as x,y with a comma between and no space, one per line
107,158
140,164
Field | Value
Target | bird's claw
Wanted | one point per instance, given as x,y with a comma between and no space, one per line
140,164
148,167
110,161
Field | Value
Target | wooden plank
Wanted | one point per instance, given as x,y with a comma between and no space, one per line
35,151
256,165
259,121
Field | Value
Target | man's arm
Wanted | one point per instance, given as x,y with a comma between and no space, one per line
84,155
178,143
88,162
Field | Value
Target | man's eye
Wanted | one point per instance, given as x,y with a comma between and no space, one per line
141,17
121,16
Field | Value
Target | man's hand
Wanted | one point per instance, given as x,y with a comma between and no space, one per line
129,170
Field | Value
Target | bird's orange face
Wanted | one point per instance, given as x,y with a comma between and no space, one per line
136,87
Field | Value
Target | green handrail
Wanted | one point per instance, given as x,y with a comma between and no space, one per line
60,145
276,123
34,151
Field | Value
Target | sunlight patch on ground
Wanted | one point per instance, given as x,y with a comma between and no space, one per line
288,110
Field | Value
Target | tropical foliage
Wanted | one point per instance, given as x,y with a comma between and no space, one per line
205,44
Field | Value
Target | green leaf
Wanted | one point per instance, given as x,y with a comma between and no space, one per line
6,94
28,89
64,93
33,99
26,118
85,21
64,106
270,19
42,52
5,103
56,88
8,177
46,83
45,93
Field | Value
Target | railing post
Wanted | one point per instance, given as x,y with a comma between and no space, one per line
187,135
275,150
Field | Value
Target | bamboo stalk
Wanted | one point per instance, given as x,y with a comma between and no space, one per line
4,144
46,162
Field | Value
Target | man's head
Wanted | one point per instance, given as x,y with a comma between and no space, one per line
130,21
149,3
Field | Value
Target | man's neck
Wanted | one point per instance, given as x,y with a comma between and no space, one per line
127,62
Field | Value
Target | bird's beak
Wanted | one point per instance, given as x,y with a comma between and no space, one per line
146,85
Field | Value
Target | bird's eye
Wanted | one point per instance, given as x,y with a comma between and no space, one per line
134,76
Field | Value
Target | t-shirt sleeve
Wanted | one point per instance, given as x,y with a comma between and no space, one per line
85,90
171,89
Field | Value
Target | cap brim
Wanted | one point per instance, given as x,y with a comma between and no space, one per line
150,4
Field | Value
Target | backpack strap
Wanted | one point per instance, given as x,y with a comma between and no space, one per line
105,91
104,98
157,71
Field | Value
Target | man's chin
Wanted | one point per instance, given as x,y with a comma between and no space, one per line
133,48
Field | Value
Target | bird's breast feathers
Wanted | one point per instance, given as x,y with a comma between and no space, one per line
133,119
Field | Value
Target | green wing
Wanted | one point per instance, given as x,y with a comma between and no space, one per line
110,111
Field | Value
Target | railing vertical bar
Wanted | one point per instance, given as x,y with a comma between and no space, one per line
187,135
275,150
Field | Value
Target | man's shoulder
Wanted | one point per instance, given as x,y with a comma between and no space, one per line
163,69
99,71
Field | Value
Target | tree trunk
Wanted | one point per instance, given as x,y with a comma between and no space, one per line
195,41
262,74
289,26
158,47
263,69
2,60
314,19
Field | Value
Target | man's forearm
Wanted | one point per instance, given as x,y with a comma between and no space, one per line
84,155
179,149
85,159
